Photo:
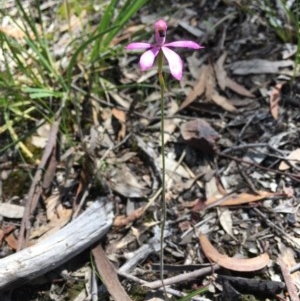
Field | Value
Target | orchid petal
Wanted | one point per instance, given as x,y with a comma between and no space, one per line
174,61
147,58
186,44
138,45
160,28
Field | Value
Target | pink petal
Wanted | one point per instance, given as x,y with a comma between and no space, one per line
160,28
147,58
187,44
174,61
138,45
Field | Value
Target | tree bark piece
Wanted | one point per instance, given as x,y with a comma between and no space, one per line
109,275
50,253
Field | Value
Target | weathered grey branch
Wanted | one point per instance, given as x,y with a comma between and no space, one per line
50,253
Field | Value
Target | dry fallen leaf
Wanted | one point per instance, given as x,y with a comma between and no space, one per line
57,216
225,220
199,88
225,82
237,88
294,156
220,72
11,241
42,135
13,31
173,167
200,135
207,85
6,231
124,181
211,84
238,199
123,220
109,275
292,290
259,66
235,264
170,127
211,186
274,100
121,117
288,256
222,102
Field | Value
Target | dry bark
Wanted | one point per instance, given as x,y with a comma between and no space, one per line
50,253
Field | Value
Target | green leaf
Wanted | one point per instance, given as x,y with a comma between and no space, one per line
79,50
128,10
194,293
41,93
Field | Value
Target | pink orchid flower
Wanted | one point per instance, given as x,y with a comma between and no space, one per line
174,60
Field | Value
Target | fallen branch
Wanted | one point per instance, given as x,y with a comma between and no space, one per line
183,277
36,189
55,250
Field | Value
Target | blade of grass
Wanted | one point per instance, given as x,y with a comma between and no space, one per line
15,137
16,54
41,92
38,43
127,11
104,25
194,294
80,49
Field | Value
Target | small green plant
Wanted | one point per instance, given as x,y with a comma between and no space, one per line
285,25
111,19
34,84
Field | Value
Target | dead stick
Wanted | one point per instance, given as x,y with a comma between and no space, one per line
36,188
58,248
292,176
183,277
291,288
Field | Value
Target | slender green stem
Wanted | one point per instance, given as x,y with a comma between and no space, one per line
163,178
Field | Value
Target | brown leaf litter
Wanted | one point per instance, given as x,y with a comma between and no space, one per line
207,86
232,164
231,263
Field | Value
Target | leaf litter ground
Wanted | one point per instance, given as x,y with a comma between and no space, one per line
232,156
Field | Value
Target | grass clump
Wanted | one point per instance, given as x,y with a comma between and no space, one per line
43,56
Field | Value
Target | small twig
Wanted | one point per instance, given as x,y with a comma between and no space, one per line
183,277
274,226
168,289
292,176
295,268
180,267
245,127
250,145
246,178
254,145
292,290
